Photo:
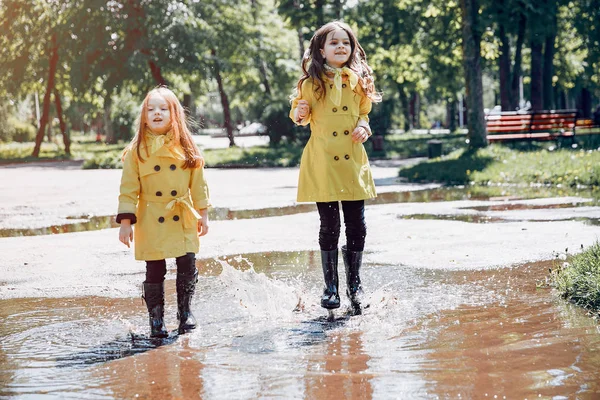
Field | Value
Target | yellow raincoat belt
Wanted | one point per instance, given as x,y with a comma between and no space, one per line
190,215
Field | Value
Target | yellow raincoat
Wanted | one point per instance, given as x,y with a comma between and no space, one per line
333,167
165,199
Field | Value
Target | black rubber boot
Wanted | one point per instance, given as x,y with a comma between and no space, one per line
331,297
353,262
154,296
186,286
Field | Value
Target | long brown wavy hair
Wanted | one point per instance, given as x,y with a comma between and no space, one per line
179,127
313,62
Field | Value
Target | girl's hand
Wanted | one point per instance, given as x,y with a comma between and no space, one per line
126,232
203,222
360,135
303,109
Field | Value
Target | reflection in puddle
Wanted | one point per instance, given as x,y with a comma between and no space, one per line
473,218
521,206
86,223
528,345
89,223
426,334
486,219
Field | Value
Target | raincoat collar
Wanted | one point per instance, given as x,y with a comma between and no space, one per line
336,93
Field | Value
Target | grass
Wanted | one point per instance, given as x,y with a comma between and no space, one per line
101,155
82,147
499,165
414,145
577,278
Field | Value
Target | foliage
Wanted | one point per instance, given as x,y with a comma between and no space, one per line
124,113
109,48
500,165
83,147
108,160
577,278
276,118
12,128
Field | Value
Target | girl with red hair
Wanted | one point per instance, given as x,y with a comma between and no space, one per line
164,193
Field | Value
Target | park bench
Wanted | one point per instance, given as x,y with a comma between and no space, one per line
534,125
587,125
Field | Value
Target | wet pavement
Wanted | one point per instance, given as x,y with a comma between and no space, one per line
456,287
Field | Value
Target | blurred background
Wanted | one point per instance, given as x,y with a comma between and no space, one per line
82,67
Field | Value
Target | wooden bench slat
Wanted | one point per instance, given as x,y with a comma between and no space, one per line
545,125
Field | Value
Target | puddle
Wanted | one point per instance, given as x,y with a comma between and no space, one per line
426,334
84,223
486,219
89,223
472,218
514,207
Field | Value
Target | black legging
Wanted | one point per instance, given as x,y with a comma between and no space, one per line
157,269
354,219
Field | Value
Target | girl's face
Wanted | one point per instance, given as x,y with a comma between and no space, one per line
337,48
158,116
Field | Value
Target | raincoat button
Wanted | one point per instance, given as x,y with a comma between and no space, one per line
346,132
176,218
343,85
334,109
347,157
345,108
161,219
336,158
159,193
173,192
334,133
173,167
157,167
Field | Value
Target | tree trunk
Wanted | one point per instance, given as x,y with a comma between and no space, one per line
319,4
262,67
337,6
537,84
61,120
301,43
548,72
224,99
260,63
109,132
516,73
405,107
549,69
416,108
472,61
584,103
49,88
504,67
157,73
451,114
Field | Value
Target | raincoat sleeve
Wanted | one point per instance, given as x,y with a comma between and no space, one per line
306,93
199,189
130,188
364,110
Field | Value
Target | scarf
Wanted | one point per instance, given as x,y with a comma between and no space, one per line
336,93
156,142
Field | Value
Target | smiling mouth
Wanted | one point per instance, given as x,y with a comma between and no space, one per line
157,120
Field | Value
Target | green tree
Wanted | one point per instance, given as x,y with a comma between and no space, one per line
32,43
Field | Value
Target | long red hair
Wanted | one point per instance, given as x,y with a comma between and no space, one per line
179,127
